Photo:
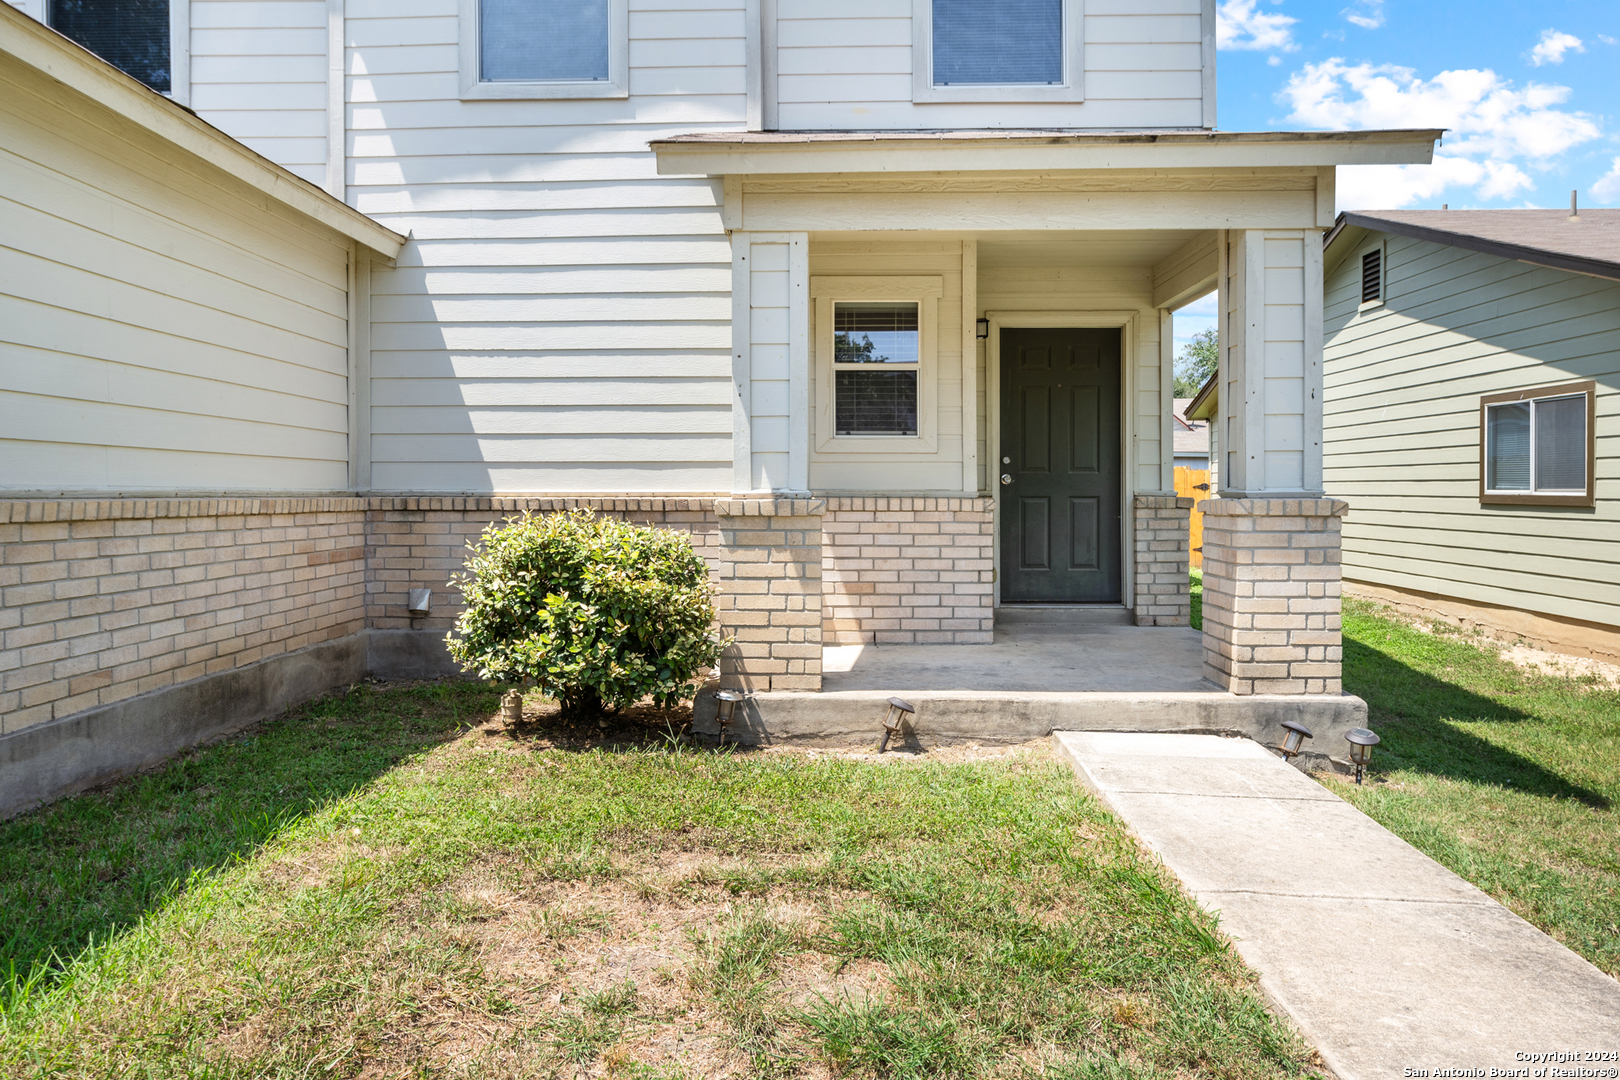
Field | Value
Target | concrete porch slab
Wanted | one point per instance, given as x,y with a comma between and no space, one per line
1386,960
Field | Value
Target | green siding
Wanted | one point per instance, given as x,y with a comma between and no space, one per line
1401,405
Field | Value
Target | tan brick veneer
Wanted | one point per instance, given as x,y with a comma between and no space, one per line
101,600
908,571
1163,593
1272,591
769,598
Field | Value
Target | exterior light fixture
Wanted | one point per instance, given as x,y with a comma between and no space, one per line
898,711
1294,736
726,709
512,706
421,602
981,329
1362,742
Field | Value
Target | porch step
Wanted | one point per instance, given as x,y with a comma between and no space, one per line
1058,615
947,717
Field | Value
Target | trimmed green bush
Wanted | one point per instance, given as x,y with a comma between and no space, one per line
594,611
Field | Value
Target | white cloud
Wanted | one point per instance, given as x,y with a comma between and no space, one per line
1368,14
1496,130
1608,186
1552,47
1607,40
1238,25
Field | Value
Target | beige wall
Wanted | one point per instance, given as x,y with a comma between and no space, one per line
1403,382
163,327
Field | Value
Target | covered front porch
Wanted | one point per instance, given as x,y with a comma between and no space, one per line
953,429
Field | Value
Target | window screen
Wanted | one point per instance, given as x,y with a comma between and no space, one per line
543,40
876,364
1537,446
131,35
1372,276
1005,42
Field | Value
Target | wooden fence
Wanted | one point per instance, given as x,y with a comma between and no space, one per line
1194,484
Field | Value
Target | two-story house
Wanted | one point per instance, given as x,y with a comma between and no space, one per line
874,298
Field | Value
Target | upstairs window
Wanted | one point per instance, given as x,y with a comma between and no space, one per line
131,35
1538,446
544,48
1009,50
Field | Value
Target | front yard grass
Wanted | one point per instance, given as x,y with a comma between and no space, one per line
387,884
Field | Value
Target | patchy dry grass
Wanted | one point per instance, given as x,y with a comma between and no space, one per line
386,885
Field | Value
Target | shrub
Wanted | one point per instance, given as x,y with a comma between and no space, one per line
592,610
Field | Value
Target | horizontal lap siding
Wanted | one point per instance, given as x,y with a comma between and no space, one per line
561,319
160,328
849,65
1403,384
940,471
258,73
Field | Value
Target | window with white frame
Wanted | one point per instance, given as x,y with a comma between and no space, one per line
544,48
1011,50
875,364
1537,446
131,35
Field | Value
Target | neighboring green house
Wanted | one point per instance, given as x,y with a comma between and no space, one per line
1472,416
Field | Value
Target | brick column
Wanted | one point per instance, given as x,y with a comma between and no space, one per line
1271,595
769,592
1163,593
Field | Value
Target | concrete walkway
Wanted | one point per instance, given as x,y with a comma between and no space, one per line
1386,960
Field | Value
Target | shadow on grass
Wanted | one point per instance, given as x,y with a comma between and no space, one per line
86,867
1414,711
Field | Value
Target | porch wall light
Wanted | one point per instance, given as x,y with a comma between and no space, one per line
898,711
1361,742
1294,736
726,710
981,329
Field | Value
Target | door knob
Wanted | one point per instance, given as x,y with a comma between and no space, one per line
1006,478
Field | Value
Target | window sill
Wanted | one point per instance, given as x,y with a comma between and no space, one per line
876,444
1492,498
543,91
998,95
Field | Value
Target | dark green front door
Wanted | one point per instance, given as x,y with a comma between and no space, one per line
1058,470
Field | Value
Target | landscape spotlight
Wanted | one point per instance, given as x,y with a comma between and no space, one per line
726,709
1294,736
898,711
1361,743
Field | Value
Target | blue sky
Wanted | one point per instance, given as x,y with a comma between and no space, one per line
1529,88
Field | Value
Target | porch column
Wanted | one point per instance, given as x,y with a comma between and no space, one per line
1271,541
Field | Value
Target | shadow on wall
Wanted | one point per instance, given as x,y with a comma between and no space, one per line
87,867
1414,712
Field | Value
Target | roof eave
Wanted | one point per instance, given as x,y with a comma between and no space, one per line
63,60
1203,404
717,153
1575,264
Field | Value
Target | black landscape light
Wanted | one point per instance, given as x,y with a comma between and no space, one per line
1294,736
898,711
1362,742
726,709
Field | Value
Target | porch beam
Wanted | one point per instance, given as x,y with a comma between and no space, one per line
1187,273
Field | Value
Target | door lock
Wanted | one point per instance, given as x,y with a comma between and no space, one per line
1006,478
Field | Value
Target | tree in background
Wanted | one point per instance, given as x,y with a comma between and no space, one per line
1197,362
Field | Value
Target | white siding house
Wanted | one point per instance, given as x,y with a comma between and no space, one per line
872,298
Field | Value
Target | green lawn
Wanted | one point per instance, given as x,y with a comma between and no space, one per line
384,884
1511,779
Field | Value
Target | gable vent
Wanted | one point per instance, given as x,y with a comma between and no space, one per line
1372,276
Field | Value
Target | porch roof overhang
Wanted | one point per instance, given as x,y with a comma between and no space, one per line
726,153
44,56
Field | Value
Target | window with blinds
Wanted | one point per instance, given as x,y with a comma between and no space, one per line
544,40
1008,43
876,364
1372,276
1537,445
131,35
